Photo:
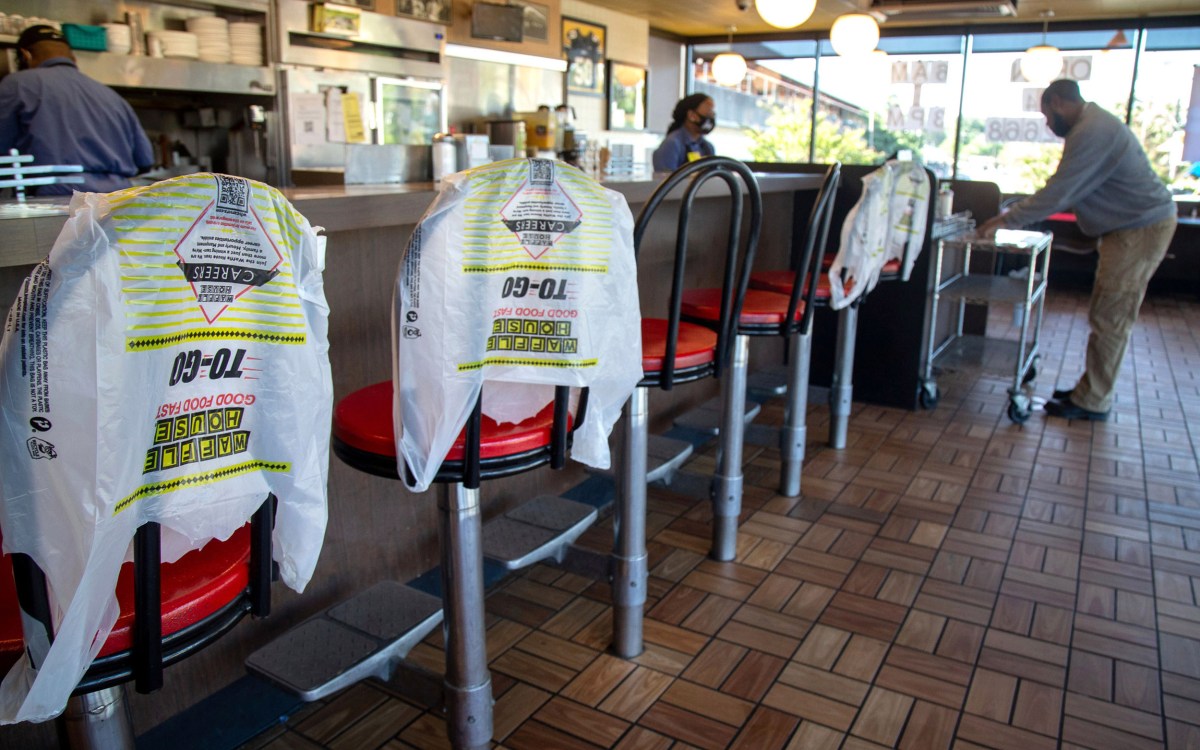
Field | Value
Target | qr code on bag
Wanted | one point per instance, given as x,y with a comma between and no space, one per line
541,172
233,194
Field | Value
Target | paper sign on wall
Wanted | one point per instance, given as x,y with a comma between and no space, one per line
335,122
352,119
308,116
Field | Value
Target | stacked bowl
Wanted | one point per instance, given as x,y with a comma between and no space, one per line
246,43
177,43
120,40
212,35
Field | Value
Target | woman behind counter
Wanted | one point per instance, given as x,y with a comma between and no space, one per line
694,117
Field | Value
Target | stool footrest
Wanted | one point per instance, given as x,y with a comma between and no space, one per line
664,456
540,529
768,382
707,416
364,636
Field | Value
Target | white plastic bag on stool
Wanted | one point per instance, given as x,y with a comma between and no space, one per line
167,363
887,221
520,272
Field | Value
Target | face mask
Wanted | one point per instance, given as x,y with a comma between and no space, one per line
706,124
1058,125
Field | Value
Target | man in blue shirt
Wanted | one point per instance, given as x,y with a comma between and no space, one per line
61,116
1105,177
694,117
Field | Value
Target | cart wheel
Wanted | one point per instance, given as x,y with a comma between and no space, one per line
1032,372
928,395
1017,414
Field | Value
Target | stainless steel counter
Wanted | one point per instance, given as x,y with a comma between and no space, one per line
28,230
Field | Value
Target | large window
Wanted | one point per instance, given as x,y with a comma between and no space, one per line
1004,138
1160,107
910,99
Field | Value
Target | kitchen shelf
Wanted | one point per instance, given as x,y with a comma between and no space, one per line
172,74
239,6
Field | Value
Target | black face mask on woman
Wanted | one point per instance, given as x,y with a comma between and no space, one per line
706,124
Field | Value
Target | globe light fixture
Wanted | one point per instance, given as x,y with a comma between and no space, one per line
1042,63
729,68
785,14
854,35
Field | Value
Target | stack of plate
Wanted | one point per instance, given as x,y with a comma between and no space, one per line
212,34
120,41
246,43
177,43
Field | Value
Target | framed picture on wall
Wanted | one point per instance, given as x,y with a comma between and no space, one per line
583,46
536,20
437,11
626,96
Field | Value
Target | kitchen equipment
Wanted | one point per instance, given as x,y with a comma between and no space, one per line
408,110
137,33
445,156
540,128
472,150
508,133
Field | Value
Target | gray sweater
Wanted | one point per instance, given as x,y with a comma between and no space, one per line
1104,176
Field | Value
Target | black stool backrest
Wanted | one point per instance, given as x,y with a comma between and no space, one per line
149,653
808,253
472,470
739,256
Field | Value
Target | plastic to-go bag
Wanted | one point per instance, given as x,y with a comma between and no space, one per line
169,363
887,223
521,273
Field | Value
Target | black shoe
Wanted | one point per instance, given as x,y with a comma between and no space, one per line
1068,410
1062,394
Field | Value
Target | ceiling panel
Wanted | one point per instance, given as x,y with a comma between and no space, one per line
691,18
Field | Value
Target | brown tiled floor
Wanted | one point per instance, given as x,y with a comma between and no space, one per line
948,580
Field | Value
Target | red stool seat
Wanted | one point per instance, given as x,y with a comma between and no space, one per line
363,421
194,587
12,640
758,307
781,282
695,346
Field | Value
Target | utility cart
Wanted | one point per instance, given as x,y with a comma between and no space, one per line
1027,292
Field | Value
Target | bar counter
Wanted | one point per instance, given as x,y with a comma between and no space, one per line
377,530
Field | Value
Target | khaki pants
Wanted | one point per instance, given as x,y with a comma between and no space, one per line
1128,258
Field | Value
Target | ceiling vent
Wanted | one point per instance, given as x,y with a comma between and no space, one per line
936,10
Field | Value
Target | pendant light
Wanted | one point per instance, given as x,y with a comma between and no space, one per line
854,35
1042,63
729,68
785,14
